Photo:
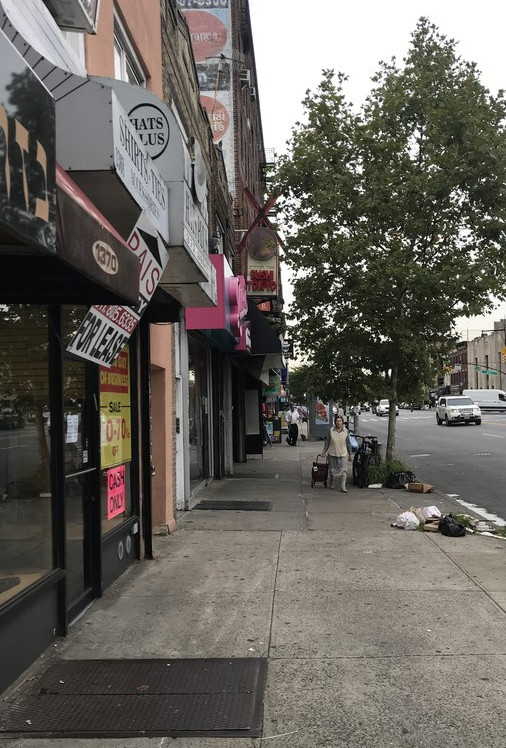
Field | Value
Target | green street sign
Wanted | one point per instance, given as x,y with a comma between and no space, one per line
489,372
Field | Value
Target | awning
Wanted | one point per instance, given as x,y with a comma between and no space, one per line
264,340
266,353
92,264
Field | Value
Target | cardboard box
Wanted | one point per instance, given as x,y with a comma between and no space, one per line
419,487
431,526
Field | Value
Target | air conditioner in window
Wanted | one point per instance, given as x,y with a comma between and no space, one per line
75,15
244,77
253,93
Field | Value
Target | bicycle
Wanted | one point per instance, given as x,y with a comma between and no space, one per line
367,454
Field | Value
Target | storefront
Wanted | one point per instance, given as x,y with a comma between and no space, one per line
68,514
218,341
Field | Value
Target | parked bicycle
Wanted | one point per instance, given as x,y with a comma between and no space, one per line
368,454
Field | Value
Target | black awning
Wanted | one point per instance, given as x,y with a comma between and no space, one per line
87,242
163,308
92,263
263,338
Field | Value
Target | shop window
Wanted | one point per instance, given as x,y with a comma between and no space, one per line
26,546
115,442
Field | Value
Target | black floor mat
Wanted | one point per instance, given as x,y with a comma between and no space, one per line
242,506
148,698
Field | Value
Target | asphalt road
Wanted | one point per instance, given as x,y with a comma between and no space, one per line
464,460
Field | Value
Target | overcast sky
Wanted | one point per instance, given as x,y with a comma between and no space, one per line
295,40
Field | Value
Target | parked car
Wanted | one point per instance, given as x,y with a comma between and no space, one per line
457,409
11,418
383,408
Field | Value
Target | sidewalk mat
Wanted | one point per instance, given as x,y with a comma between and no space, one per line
132,698
242,506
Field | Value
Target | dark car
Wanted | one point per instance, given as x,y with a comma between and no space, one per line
11,418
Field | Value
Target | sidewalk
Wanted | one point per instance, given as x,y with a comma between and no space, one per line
375,637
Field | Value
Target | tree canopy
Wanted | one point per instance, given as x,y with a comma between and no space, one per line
394,217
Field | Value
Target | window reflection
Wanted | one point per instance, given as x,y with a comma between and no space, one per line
26,551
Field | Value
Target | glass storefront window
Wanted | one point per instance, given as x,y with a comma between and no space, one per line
26,538
115,442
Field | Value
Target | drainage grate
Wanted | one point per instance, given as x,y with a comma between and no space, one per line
242,506
149,698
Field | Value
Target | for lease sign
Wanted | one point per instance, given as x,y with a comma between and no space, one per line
106,328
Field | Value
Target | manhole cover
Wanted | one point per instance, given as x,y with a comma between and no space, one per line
150,698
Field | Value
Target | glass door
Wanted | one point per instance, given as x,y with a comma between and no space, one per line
80,478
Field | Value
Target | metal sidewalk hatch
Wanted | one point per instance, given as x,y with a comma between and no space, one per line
132,698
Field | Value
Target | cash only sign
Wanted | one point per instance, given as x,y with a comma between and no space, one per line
106,328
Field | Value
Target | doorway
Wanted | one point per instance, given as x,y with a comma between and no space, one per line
80,480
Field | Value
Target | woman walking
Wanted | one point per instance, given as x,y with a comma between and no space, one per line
338,448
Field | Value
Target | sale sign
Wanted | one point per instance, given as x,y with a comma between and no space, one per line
115,412
116,498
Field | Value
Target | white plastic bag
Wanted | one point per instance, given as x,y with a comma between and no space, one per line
408,520
430,512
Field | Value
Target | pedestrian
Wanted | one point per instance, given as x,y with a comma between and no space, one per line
292,417
338,448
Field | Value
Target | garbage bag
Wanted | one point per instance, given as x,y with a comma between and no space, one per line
448,525
407,520
399,479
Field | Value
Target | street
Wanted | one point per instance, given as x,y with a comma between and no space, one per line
467,460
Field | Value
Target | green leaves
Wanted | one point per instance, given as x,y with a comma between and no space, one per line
395,215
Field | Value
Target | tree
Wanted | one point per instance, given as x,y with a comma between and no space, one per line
395,216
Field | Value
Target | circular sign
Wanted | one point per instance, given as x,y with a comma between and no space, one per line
105,257
152,128
219,118
262,243
208,34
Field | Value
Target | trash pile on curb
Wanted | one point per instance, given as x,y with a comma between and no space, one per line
430,519
423,517
406,479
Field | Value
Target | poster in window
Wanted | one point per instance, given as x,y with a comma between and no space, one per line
115,412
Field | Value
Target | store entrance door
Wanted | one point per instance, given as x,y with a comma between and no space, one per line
79,483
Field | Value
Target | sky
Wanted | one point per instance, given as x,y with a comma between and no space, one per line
295,40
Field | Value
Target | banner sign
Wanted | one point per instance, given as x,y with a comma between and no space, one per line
115,412
262,262
106,328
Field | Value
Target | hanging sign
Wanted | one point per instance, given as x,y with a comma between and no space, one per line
106,328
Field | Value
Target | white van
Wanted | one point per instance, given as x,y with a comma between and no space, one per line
488,399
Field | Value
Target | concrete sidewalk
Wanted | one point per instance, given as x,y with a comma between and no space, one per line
375,637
